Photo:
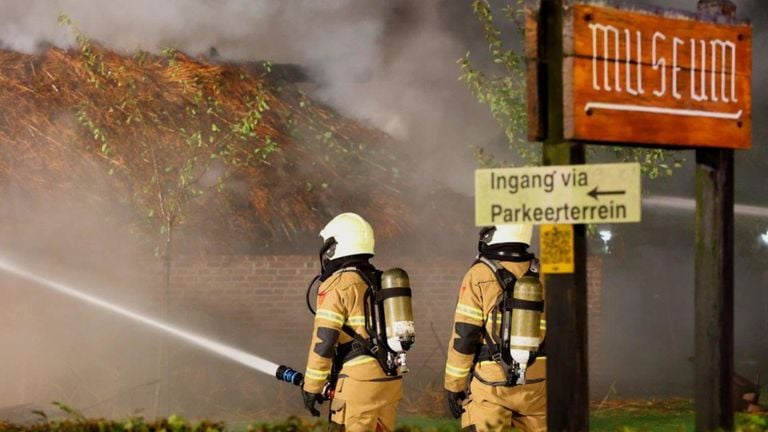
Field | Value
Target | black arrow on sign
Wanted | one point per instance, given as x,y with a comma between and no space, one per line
594,193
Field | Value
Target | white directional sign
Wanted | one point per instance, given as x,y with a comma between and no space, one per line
566,194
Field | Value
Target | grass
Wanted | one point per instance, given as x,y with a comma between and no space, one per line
667,415
427,424
655,422
640,416
651,415
632,419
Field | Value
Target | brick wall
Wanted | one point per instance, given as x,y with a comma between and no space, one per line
257,303
594,322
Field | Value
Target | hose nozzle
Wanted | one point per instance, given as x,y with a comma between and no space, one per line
291,376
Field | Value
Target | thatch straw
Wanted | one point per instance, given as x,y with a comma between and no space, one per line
68,117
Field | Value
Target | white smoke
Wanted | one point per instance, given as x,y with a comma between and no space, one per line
390,63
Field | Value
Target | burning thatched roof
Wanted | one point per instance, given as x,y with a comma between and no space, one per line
159,123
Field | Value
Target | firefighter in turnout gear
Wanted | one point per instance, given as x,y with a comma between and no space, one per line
494,374
347,363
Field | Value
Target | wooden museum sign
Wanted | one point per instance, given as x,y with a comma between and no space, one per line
652,78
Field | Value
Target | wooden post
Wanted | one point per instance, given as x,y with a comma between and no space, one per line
714,277
714,290
566,302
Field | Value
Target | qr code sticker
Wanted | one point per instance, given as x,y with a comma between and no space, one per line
556,248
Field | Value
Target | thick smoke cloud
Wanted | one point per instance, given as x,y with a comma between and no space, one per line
391,63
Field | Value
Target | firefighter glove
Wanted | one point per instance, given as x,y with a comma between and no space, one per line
309,402
454,402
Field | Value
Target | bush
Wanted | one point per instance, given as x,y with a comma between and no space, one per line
137,424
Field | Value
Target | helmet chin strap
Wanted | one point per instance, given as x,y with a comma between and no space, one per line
486,235
516,252
359,261
326,253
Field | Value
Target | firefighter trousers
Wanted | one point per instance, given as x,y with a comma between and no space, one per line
489,408
366,406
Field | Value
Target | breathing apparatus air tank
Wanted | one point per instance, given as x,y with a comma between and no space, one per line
525,330
395,296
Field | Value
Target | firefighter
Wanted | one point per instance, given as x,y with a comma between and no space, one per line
365,397
484,386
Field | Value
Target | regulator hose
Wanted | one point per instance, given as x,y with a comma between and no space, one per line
309,290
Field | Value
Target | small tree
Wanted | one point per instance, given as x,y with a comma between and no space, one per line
502,89
177,143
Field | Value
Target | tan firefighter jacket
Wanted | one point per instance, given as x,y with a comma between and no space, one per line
339,301
480,291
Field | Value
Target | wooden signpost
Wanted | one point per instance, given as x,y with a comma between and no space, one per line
600,74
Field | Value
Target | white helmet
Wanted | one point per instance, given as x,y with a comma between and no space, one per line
513,233
351,235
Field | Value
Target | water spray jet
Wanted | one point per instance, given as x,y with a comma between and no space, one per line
282,373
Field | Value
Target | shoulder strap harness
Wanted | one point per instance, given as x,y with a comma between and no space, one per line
375,345
496,348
